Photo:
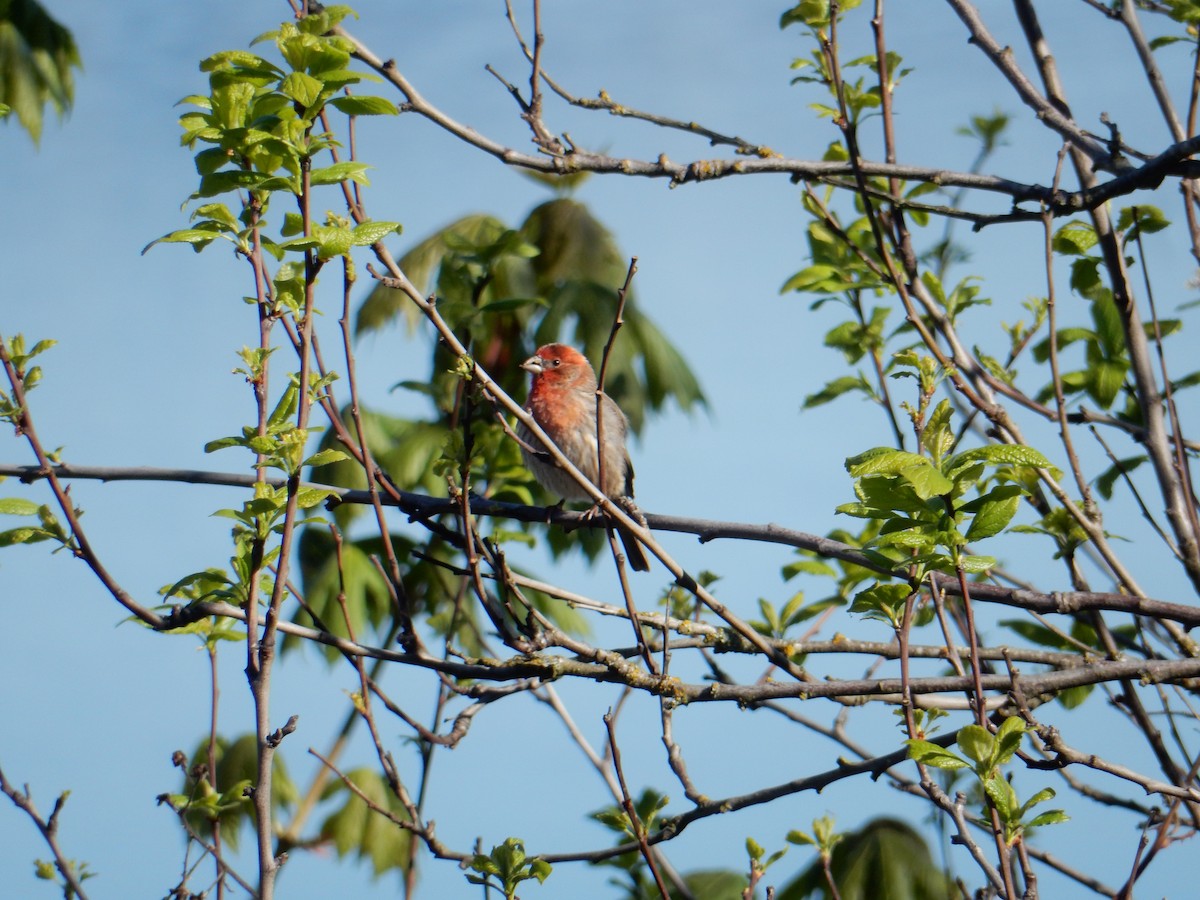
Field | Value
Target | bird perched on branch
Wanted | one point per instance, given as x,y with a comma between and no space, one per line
562,400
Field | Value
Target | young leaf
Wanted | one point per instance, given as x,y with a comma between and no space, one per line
993,517
976,742
17,506
931,754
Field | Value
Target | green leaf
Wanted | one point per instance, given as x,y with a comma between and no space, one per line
836,388
242,59
927,481
974,565
26,535
540,869
883,461
332,240
307,498
326,456
199,238
1110,328
818,279
1050,817
356,829
1085,278
993,517
808,567
976,742
882,601
18,506
1106,482
715,884
998,455
38,56
288,403
1105,378
1039,634
938,437
754,849
222,443
931,754
1040,797
1008,739
339,172
358,105
1074,239
1003,798
1148,219
371,232
1070,698
813,13
302,88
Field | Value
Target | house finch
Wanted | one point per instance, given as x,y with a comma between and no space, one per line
562,400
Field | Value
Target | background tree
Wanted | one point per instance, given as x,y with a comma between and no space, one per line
989,668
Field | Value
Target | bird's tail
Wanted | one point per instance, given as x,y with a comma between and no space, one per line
635,554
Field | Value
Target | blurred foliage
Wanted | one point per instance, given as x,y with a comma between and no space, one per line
884,860
356,829
37,55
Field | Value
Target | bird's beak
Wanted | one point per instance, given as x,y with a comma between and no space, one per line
533,365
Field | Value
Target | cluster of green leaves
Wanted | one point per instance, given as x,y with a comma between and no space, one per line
49,528
647,807
260,123
506,867
845,576
824,838
861,95
815,14
760,861
633,875
845,264
845,268
1106,358
351,826
1103,375
259,132
681,603
28,376
47,870
930,506
984,754
226,806
882,852
281,445
1187,13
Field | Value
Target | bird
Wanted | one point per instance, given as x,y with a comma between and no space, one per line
562,400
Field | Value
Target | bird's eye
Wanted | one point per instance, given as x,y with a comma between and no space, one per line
557,362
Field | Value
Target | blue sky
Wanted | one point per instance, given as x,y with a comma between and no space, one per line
142,375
